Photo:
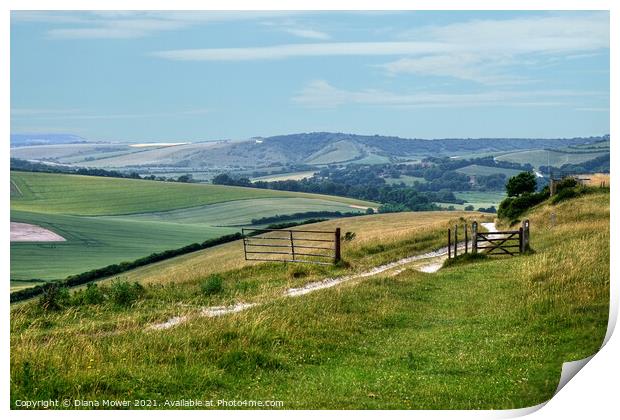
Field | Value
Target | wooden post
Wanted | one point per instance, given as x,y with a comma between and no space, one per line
552,186
245,251
449,245
521,239
474,234
526,235
465,229
337,246
456,239
292,245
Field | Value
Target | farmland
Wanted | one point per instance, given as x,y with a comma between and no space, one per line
466,337
478,170
110,220
540,157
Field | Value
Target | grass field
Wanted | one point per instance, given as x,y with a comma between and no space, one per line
93,242
480,170
540,157
489,334
368,229
239,212
481,198
110,220
74,194
341,151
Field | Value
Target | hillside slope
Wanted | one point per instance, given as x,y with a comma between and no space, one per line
318,148
489,334
111,220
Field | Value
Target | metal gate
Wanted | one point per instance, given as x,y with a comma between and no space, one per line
288,245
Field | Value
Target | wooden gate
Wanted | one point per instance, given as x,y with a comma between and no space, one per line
506,242
287,245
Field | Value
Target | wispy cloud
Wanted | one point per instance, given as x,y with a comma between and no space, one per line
301,50
321,94
482,51
131,24
307,33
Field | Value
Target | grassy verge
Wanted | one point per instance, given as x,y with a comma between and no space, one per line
488,334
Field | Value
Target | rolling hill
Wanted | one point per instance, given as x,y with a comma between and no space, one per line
490,333
304,148
110,220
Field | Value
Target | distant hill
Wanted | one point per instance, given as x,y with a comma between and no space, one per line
320,148
39,139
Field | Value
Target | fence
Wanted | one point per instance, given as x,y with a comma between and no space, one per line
507,242
287,245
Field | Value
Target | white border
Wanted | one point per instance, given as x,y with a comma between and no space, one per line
592,393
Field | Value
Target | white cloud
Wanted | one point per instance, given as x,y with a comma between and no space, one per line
307,33
321,94
501,38
132,24
484,50
302,50
465,66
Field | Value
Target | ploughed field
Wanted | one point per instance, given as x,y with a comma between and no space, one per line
110,220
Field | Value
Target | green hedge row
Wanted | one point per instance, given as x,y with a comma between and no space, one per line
111,270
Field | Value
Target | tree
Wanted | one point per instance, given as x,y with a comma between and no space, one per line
523,183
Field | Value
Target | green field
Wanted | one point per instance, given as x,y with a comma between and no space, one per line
478,199
110,220
491,333
341,151
540,157
74,194
481,198
93,242
238,212
480,170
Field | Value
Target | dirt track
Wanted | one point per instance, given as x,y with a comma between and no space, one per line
24,232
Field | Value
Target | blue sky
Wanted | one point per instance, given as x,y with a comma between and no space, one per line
193,76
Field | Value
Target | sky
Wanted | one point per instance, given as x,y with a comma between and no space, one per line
200,76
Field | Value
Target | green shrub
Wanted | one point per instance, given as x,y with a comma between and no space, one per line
123,293
568,192
212,285
565,184
512,207
54,297
93,295
521,184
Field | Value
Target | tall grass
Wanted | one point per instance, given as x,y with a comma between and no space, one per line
489,334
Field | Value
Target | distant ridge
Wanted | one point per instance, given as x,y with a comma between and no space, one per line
41,139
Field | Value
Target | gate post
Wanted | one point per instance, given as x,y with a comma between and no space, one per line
526,235
456,239
449,244
292,244
337,245
474,233
465,229
521,248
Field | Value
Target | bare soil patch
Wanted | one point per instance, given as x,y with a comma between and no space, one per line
24,232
